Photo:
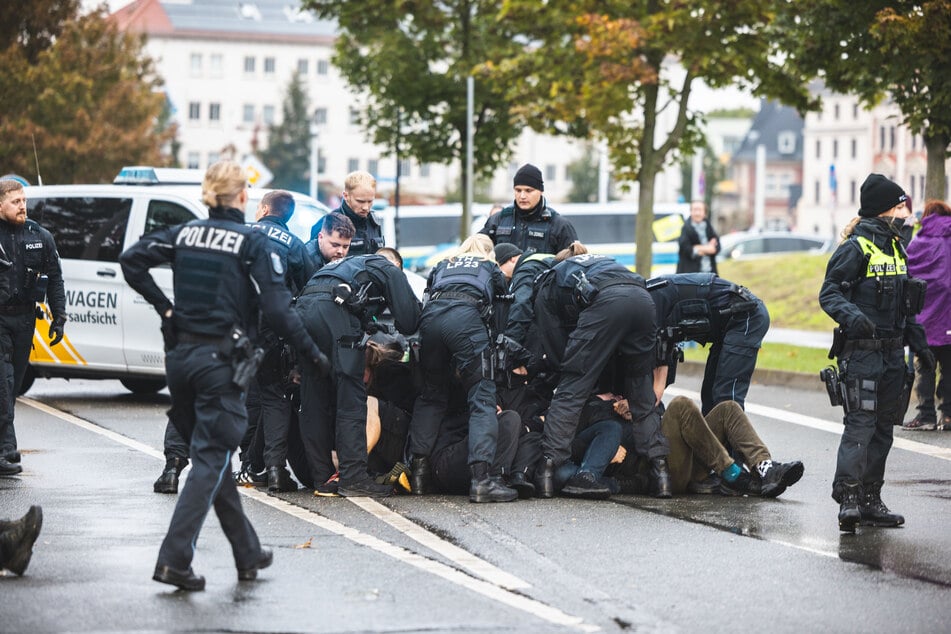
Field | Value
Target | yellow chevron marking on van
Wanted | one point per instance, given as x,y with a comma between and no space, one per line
64,352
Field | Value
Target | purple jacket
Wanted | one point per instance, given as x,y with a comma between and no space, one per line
929,258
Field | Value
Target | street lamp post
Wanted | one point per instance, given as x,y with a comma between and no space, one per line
314,166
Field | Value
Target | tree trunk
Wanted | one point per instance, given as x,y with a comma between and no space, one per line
645,178
935,178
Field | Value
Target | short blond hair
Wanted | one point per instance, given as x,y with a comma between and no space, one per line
223,183
359,179
8,185
477,244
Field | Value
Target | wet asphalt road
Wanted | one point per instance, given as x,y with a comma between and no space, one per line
440,564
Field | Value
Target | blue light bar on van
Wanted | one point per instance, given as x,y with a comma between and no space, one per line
145,175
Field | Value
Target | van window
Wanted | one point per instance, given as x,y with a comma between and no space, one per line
416,232
84,228
162,214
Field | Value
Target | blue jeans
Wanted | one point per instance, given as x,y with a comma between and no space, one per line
599,442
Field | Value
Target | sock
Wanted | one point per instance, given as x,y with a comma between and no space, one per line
731,473
764,467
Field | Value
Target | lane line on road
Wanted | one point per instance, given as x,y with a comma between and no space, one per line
491,588
823,425
460,556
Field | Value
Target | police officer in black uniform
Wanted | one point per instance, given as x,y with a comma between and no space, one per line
454,336
359,192
530,224
868,292
338,306
224,273
592,312
705,308
29,273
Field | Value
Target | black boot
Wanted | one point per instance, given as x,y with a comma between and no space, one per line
168,481
16,540
849,513
520,482
279,480
660,478
873,510
419,477
486,488
545,478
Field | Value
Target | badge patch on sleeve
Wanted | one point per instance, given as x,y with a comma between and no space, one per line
276,264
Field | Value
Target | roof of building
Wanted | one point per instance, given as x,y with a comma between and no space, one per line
227,19
777,127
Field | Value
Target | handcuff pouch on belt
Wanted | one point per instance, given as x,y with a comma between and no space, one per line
914,295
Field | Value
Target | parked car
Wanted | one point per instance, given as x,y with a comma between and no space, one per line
758,244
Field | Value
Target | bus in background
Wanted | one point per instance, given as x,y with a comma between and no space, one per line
605,228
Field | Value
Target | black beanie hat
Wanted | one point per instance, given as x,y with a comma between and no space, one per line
878,195
505,251
529,176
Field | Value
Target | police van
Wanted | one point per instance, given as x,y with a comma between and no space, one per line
111,331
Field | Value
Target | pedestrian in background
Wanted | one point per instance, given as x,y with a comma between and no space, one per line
529,223
699,243
224,272
929,259
30,272
866,291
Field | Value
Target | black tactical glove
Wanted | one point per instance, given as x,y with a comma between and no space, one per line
862,328
56,331
926,357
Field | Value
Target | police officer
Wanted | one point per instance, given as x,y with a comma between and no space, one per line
530,224
338,305
359,192
29,273
454,335
224,273
589,309
705,308
868,292
269,404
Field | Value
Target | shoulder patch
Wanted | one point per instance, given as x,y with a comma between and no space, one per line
276,264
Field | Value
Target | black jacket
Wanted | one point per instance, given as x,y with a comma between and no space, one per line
30,250
687,261
540,230
369,236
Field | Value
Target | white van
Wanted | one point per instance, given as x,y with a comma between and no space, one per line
112,332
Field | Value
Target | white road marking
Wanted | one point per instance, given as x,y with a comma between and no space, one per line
822,425
498,586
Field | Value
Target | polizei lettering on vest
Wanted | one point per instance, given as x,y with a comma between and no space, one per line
211,238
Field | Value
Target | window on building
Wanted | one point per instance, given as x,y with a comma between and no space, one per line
215,65
323,67
817,191
195,64
855,110
852,187
786,142
881,138
855,148
835,148
303,66
354,116
213,157
912,188
353,164
214,112
193,160
914,142
268,115
551,172
270,66
194,111
405,168
424,170
320,116
835,112
247,113
249,64
891,138
321,163
373,166
921,183
818,148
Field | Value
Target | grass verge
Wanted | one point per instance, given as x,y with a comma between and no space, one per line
776,356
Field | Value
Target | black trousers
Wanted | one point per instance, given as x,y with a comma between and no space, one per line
208,411
867,437
732,359
16,341
334,408
453,338
621,321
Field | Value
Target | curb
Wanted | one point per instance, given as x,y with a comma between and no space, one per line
797,380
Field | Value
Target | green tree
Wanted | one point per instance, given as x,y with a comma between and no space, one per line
411,60
33,25
288,144
86,94
584,173
876,49
599,69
